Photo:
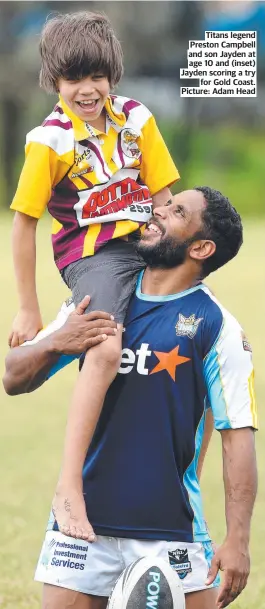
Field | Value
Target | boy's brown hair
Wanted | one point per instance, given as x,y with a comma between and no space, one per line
76,45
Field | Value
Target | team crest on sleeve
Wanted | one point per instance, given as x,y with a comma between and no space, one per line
179,561
187,326
129,143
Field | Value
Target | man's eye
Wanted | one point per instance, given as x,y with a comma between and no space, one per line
179,210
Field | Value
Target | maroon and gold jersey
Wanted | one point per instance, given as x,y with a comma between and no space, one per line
97,186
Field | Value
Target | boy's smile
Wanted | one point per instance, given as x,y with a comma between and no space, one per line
86,97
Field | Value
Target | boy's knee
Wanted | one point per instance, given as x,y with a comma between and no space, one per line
107,354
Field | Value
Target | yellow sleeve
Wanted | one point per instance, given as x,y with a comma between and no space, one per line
157,168
42,170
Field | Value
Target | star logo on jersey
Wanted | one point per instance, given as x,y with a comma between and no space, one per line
169,362
187,326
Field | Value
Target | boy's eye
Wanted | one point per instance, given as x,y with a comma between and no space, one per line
98,76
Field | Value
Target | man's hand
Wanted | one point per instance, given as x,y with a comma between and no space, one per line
82,331
233,559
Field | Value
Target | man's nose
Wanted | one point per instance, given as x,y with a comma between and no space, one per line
160,212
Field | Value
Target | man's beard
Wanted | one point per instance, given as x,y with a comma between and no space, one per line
167,253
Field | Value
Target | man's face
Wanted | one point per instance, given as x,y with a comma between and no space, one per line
172,229
85,97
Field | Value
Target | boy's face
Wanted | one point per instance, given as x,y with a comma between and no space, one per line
85,97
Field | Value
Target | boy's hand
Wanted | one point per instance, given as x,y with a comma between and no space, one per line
26,325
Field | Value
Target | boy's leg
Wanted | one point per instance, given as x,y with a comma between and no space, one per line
109,278
100,367
61,598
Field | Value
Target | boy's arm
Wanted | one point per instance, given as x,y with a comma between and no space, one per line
158,170
28,321
42,169
161,197
71,334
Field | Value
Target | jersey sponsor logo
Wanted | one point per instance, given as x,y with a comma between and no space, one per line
166,361
245,343
82,172
115,197
69,564
59,554
81,164
129,144
85,156
187,326
45,557
179,561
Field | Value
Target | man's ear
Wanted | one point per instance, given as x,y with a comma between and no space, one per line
202,249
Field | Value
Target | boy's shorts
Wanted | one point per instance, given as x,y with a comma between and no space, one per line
109,278
94,568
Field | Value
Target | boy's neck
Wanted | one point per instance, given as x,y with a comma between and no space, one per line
100,122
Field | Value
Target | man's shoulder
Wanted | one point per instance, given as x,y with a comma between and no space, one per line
221,322
56,132
217,308
136,113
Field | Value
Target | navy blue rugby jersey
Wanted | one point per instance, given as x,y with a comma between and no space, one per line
181,354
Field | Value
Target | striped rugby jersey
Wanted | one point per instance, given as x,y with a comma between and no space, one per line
97,186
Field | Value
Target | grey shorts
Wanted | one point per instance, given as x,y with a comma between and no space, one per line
109,278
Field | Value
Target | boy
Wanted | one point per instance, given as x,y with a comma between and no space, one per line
97,163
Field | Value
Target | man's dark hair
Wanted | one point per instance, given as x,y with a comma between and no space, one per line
222,224
76,45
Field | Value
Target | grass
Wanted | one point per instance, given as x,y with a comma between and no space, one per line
32,426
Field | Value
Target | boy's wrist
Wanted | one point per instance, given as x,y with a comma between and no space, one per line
33,307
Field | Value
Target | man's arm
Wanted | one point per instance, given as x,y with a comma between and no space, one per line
27,367
240,485
162,197
228,373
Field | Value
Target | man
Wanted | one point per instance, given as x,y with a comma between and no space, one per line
183,353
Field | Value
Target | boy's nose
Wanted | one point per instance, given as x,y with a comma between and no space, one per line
86,88
87,91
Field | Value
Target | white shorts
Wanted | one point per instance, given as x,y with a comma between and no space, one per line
94,568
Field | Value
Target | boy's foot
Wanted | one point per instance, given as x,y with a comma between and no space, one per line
69,511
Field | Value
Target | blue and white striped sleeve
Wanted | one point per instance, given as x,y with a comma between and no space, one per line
228,373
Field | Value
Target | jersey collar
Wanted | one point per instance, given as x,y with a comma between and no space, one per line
165,298
83,130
